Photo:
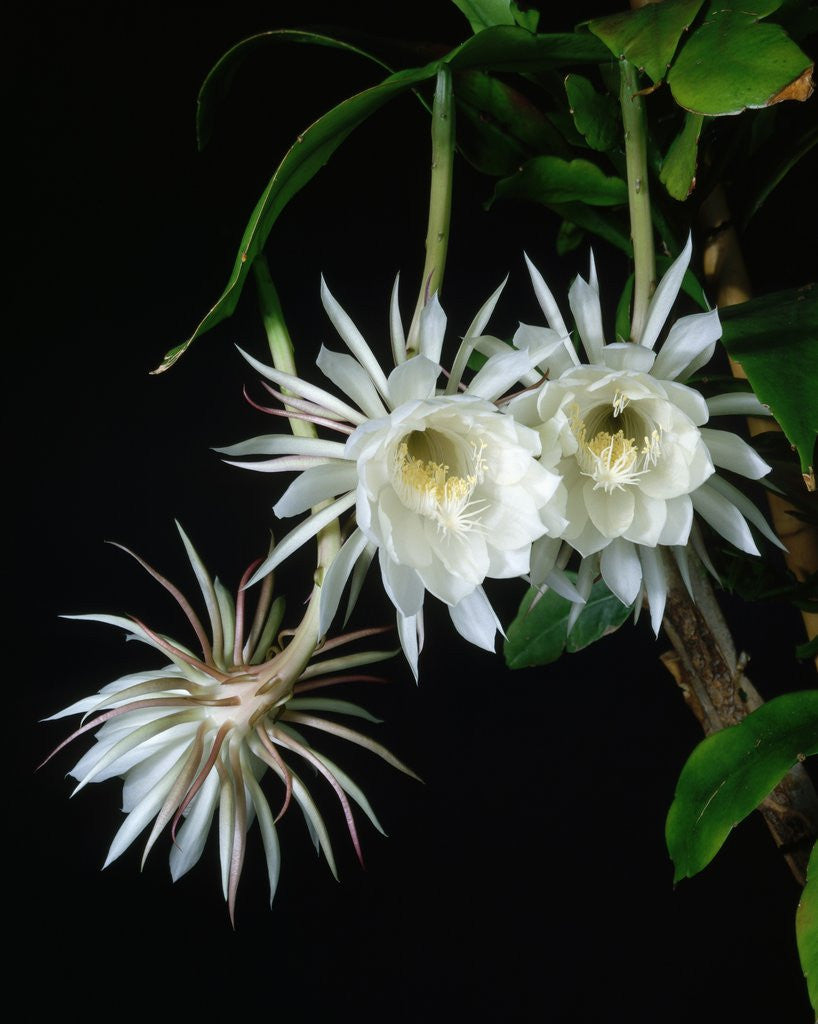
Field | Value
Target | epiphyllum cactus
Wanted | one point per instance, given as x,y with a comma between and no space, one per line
201,731
447,488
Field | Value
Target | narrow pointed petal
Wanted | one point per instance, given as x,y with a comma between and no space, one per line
353,339
665,296
724,517
499,374
348,375
192,836
689,345
269,835
413,380
285,444
407,631
584,303
314,486
547,302
432,329
336,577
621,570
301,389
729,451
301,534
745,506
474,619
396,335
588,568
737,403
655,580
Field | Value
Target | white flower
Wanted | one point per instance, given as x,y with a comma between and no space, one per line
199,733
637,458
446,487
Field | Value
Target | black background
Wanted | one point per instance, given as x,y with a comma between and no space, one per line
528,877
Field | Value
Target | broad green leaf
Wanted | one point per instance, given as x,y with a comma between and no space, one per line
220,77
775,338
499,128
732,61
647,37
482,14
595,114
806,928
807,650
760,8
731,772
538,635
678,173
550,179
505,47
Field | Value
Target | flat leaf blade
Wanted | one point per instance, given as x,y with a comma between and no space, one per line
647,37
678,173
731,772
594,113
806,928
539,635
732,62
775,338
550,179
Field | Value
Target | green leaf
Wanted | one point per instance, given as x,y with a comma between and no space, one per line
539,635
498,128
647,37
505,47
220,77
733,61
482,14
595,114
550,179
622,322
678,173
806,928
608,224
731,772
775,338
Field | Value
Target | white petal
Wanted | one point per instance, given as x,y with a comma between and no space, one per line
745,506
655,580
622,570
729,452
358,577
316,485
724,517
478,325
474,619
561,584
624,355
544,553
679,512
301,534
737,403
408,633
588,569
546,300
302,389
336,576
402,584
432,328
584,303
680,554
191,837
397,337
285,444
499,373
689,345
413,380
144,812
665,296
353,339
348,374
266,825
690,401
612,513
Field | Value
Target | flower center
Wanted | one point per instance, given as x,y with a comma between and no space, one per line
612,457
435,475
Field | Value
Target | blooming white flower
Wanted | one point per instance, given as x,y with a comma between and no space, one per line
637,458
446,487
199,733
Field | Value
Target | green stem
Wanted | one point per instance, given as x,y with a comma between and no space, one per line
440,198
636,158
